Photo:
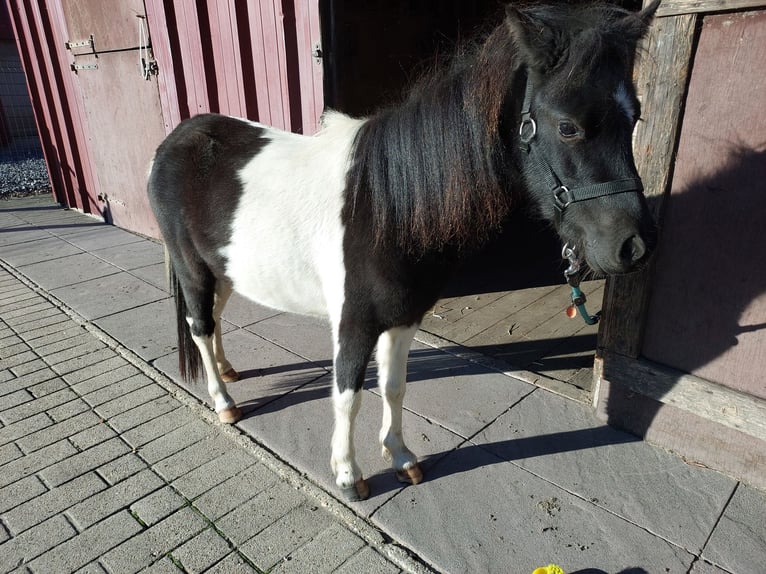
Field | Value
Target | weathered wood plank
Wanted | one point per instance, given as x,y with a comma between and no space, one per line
698,440
677,7
717,403
661,80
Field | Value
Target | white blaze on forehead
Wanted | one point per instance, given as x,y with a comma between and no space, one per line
622,96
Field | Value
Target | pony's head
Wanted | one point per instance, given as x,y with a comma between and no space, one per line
575,129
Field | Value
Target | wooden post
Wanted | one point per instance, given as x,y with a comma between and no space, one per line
661,79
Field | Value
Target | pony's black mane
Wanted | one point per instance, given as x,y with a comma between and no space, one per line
433,171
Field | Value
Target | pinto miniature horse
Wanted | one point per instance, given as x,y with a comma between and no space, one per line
364,221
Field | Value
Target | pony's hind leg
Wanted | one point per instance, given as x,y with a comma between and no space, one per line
223,291
194,288
224,405
393,348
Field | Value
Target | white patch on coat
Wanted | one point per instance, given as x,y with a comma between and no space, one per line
622,96
286,249
343,460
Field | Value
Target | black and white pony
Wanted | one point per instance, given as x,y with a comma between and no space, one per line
364,221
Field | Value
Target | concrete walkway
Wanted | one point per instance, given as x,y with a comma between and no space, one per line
109,464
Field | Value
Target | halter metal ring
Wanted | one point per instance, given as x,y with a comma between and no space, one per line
563,197
527,129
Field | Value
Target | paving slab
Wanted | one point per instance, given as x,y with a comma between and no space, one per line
31,252
323,555
153,274
112,498
201,552
738,543
33,407
702,567
132,255
84,461
241,311
88,545
158,505
309,337
294,529
21,233
20,491
108,295
148,330
118,389
616,471
232,564
192,457
367,560
208,475
232,493
478,513
144,413
94,237
34,542
52,502
68,270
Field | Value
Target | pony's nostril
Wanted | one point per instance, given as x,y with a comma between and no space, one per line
632,250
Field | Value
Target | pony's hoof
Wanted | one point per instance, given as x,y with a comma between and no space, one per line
412,475
360,491
230,376
230,416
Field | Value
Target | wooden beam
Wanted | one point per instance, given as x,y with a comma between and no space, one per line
661,79
677,7
722,405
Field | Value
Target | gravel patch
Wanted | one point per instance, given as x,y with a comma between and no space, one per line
23,177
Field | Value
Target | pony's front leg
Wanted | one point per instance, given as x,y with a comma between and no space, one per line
224,405
393,348
348,476
351,357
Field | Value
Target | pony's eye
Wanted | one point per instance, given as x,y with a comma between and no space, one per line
568,129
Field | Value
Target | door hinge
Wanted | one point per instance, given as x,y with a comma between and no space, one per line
90,43
77,67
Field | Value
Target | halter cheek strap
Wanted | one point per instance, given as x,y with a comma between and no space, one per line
564,196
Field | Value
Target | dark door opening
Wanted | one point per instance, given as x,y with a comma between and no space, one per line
508,300
373,52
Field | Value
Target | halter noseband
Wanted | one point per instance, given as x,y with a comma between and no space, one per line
564,196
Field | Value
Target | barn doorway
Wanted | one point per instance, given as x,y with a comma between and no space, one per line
508,302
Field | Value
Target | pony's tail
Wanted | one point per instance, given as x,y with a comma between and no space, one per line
189,358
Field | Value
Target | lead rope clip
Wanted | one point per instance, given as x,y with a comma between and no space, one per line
572,276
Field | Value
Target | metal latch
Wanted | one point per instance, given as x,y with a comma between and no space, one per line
316,53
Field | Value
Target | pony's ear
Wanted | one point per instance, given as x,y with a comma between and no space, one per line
636,25
647,14
539,44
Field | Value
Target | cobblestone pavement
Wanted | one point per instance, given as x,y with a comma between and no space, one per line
105,466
